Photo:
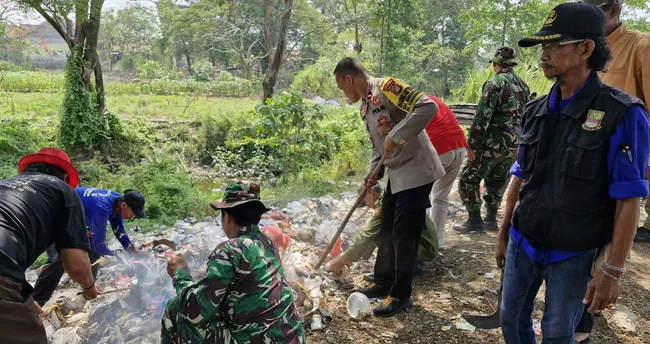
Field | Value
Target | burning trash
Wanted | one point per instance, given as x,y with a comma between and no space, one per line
136,287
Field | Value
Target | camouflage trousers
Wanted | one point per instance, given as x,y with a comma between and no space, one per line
491,167
176,329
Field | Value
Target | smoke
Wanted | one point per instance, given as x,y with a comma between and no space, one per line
134,315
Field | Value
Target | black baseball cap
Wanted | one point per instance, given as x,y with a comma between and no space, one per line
135,200
569,20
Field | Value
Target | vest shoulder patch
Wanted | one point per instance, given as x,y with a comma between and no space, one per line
400,94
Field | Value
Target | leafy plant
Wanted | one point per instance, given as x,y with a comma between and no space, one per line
202,71
80,124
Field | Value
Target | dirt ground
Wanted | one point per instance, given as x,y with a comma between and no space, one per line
459,274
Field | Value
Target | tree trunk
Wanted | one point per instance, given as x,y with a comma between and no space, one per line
99,83
505,24
188,59
275,62
357,43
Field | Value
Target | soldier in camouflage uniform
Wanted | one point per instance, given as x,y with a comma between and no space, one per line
244,296
493,142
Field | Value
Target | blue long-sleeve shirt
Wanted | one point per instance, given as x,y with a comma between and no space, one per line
98,210
627,179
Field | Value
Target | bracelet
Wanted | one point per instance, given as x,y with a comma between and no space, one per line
90,286
615,268
608,274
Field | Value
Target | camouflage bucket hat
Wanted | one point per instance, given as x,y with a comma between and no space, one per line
504,55
239,193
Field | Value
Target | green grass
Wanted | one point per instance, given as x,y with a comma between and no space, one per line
53,82
148,107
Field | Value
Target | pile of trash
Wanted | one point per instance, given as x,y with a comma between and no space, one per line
136,287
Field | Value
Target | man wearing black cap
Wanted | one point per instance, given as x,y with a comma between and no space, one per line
581,166
100,208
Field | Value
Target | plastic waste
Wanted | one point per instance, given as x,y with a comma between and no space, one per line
358,303
66,335
316,322
280,239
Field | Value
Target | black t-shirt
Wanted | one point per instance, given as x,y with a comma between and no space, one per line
36,211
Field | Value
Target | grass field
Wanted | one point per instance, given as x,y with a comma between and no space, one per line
151,107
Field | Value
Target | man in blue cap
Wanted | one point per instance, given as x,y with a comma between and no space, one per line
100,207
579,178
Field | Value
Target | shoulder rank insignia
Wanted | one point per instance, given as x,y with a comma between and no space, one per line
594,118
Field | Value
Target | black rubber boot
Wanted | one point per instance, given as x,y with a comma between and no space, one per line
474,223
490,222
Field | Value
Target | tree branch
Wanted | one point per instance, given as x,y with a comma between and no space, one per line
57,27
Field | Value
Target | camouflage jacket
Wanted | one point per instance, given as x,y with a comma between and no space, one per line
245,287
497,122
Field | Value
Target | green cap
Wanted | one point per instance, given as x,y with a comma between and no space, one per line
504,55
239,193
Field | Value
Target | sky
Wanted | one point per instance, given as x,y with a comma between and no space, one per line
35,18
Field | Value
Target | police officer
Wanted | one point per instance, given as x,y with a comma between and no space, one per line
580,174
492,141
395,116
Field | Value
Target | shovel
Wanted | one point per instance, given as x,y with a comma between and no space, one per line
488,321
373,174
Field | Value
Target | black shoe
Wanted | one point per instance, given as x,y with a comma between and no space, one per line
490,222
586,341
374,291
369,277
474,223
642,235
419,269
391,307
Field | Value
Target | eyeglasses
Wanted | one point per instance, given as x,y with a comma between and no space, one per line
550,47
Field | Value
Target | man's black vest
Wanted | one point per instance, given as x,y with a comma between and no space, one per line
564,201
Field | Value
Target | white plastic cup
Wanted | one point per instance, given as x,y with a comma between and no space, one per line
358,303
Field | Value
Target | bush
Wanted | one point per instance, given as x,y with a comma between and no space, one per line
317,80
225,76
8,66
18,137
284,137
153,70
171,192
23,81
202,71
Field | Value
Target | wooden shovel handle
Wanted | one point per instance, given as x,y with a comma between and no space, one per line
362,194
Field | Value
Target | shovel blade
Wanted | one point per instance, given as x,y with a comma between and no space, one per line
484,321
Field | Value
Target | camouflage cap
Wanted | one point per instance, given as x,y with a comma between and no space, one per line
239,193
504,55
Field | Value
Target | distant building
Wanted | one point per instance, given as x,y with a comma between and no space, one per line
50,49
